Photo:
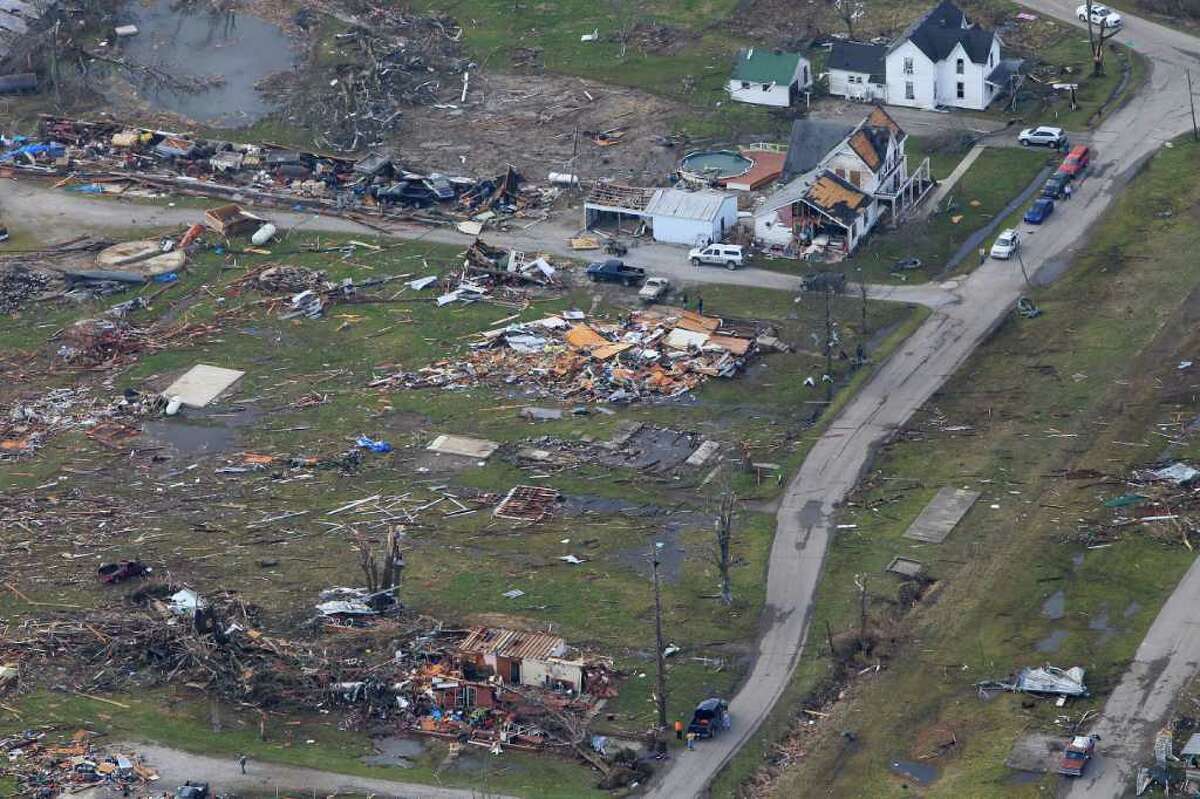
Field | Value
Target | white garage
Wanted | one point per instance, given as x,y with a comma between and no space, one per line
671,216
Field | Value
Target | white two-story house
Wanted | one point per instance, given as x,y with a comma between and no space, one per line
840,180
941,60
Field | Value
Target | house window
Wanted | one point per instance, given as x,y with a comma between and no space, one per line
856,177
840,172
909,92
908,65
962,92
959,66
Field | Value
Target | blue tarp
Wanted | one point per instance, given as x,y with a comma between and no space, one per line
32,151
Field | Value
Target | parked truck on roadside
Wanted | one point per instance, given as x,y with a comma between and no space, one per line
614,270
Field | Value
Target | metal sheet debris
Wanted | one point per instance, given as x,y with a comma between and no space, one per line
905,567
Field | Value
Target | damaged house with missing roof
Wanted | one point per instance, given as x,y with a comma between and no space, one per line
840,180
941,60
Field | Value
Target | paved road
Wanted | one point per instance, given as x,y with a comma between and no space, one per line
910,377
175,766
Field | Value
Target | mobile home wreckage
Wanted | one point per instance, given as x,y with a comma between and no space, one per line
841,180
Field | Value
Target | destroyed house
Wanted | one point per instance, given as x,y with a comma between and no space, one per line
520,658
841,180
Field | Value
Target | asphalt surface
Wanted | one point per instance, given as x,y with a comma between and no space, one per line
909,378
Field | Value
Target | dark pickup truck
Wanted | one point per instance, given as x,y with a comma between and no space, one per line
614,270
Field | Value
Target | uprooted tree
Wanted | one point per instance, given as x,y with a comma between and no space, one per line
1098,34
849,12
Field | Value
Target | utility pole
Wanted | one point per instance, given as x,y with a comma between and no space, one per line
1024,274
1192,100
660,659
828,344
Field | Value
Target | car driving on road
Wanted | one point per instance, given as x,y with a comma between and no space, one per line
1042,135
1101,15
1006,244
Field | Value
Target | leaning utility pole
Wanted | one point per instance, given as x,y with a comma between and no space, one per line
1192,100
660,658
828,345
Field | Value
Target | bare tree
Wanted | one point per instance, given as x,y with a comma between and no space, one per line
724,534
1098,34
850,12
626,16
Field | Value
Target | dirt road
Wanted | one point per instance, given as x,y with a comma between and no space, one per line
174,767
902,385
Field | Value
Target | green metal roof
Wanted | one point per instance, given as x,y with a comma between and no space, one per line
765,66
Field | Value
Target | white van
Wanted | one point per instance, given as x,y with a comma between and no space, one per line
727,255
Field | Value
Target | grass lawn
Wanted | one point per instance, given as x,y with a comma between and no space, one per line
1029,406
458,567
997,177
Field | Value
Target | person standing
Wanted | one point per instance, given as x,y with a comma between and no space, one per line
691,741
678,730
699,304
242,763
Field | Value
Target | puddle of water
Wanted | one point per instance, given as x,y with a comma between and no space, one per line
922,773
395,751
1055,606
184,438
1052,642
1099,622
239,48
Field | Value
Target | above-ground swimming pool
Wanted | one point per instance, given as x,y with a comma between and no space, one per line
715,164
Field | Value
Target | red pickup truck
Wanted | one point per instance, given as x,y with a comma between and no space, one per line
1077,755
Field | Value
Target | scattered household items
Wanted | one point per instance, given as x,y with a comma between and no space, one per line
231,220
1048,680
941,515
1077,754
202,384
710,718
663,352
1027,309
41,766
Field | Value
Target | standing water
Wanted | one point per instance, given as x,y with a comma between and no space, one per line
235,50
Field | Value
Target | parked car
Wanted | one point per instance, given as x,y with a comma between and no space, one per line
727,255
834,282
1055,186
1006,244
654,289
709,718
1076,161
1101,15
1042,135
1077,754
1040,211
614,270
119,572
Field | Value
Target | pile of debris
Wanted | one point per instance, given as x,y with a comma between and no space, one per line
112,158
27,425
43,768
658,353
1162,501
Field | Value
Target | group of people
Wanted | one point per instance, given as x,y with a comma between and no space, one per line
691,737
